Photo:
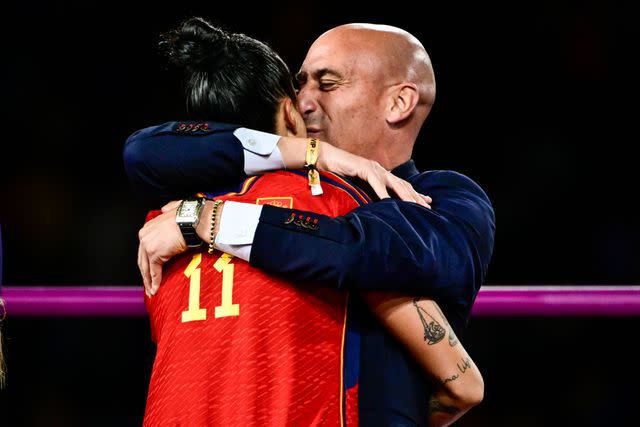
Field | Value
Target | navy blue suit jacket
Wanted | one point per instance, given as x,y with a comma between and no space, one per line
391,245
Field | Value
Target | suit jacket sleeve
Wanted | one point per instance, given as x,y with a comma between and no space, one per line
163,164
389,245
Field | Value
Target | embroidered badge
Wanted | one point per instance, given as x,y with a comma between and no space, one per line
280,202
193,127
302,221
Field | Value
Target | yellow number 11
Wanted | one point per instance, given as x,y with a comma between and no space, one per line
227,308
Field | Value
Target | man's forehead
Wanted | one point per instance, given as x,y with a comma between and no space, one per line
337,55
326,64
328,51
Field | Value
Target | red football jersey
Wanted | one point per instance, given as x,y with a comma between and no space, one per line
238,347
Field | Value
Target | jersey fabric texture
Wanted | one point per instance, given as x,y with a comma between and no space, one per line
239,347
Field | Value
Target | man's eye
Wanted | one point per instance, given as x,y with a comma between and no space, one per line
327,85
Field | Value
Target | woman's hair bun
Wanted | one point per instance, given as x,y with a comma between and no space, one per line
194,44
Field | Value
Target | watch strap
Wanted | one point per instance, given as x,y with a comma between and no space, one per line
190,235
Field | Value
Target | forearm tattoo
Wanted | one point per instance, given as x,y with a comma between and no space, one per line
436,406
466,364
453,339
433,331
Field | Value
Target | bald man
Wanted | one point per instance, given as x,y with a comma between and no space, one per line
380,78
367,89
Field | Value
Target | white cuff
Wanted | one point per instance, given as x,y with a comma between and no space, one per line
240,251
238,224
261,152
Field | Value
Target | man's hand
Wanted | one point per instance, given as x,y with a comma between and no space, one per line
381,179
344,163
160,240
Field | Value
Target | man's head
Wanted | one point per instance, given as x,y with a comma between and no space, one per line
232,78
367,89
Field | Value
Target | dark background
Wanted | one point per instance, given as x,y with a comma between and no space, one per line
537,101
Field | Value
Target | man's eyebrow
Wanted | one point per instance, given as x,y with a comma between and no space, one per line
317,74
326,71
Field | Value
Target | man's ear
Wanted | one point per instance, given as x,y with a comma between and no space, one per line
403,100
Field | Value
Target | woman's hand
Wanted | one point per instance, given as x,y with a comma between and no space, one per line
160,240
381,180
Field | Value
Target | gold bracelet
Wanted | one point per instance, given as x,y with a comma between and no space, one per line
310,163
216,203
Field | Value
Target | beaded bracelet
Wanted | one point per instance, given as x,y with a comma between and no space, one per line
216,203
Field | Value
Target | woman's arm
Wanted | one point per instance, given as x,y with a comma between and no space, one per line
421,327
176,160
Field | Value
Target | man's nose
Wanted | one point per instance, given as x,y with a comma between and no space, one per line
306,101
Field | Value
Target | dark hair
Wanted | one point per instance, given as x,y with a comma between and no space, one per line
229,77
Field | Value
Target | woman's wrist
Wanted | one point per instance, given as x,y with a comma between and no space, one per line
292,150
204,225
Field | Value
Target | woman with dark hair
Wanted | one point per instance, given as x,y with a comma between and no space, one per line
272,352
228,76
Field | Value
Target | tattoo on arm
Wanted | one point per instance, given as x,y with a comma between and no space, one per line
451,378
433,331
436,406
453,339
466,364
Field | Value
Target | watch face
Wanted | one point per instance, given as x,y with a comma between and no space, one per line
188,211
